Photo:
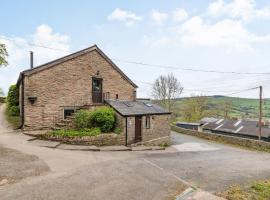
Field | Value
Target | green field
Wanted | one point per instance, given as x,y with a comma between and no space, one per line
239,107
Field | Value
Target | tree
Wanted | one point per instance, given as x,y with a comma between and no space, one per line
1,92
3,55
167,89
226,109
195,108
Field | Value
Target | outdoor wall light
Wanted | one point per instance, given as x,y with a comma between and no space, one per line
32,99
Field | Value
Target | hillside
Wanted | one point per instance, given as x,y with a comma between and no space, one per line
239,107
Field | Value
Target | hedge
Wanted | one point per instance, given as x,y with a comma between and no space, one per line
13,101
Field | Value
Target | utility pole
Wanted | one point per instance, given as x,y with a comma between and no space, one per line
260,113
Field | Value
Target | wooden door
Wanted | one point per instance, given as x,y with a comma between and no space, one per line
138,128
97,90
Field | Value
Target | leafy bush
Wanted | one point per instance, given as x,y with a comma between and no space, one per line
13,101
117,130
104,118
82,119
76,133
14,111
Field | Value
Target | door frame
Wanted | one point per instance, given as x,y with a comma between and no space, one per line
138,129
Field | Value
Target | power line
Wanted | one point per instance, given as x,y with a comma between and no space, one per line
154,65
242,91
190,69
231,92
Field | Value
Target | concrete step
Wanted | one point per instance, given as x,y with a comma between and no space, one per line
59,124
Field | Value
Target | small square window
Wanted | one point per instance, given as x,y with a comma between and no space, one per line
68,112
147,122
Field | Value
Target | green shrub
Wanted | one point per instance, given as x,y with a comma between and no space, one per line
13,101
104,118
117,130
14,111
2,99
82,119
76,133
13,96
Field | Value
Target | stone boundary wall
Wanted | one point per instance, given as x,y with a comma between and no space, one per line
244,142
105,139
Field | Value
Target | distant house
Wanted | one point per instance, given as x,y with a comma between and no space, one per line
242,128
85,80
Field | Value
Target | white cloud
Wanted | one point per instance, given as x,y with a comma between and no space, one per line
19,47
127,17
158,17
241,9
228,33
179,15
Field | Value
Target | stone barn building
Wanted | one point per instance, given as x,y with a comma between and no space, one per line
85,80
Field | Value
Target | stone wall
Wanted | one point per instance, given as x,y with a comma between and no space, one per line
158,133
244,142
105,139
69,84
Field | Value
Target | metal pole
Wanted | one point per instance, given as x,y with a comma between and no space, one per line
260,114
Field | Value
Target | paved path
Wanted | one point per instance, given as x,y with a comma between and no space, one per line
133,175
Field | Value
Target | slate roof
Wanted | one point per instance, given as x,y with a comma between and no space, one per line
238,127
71,56
133,108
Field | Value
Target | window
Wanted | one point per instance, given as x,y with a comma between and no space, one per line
97,85
116,96
68,112
147,122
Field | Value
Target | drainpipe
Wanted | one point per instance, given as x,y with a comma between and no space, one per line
22,102
126,133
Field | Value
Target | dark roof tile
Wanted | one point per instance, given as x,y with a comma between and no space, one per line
132,108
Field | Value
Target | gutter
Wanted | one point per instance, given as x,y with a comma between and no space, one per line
126,133
22,101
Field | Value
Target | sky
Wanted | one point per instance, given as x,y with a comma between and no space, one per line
173,36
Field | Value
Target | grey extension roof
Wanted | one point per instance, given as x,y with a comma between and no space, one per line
133,108
237,127
74,55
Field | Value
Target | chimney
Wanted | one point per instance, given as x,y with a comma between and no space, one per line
31,60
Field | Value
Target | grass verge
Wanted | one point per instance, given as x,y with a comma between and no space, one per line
75,133
259,190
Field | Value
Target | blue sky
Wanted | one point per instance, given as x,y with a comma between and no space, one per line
224,35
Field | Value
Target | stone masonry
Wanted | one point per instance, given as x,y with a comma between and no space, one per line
67,85
158,133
